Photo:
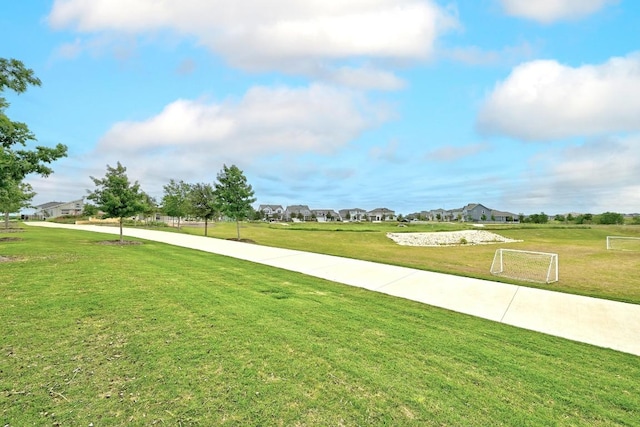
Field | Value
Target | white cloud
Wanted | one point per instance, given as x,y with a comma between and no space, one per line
544,100
546,11
597,176
188,136
275,35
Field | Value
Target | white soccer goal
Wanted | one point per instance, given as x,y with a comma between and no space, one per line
540,267
623,243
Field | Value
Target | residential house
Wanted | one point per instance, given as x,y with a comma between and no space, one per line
476,212
479,212
381,214
297,212
325,215
57,209
272,211
439,215
354,214
499,216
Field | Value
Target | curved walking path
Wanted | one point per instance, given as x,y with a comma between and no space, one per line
599,322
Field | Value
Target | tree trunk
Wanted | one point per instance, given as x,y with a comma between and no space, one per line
238,228
121,239
205,227
6,220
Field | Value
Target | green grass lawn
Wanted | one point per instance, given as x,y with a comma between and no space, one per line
586,267
152,334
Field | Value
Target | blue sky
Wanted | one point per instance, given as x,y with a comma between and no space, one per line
523,106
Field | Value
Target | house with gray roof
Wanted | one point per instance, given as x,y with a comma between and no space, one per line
381,214
57,209
353,214
325,215
297,212
272,211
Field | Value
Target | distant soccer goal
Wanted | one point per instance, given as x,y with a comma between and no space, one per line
539,267
623,243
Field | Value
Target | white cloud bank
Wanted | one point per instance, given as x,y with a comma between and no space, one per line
188,136
545,100
597,176
275,35
547,11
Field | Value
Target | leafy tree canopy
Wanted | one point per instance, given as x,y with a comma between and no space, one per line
175,201
611,218
13,197
234,195
116,196
15,162
202,201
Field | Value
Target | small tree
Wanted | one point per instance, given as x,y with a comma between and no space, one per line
116,196
150,207
258,215
176,199
202,202
13,197
89,210
234,195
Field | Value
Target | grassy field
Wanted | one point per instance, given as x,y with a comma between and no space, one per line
586,267
152,334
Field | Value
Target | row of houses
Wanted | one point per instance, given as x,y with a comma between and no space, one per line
304,213
472,212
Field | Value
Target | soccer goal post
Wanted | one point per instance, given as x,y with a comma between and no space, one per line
623,243
539,267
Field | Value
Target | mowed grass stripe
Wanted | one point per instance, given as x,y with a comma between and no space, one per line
586,266
152,333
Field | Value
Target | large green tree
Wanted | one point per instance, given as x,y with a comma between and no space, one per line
234,195
116,196
202,200
16,161
175,201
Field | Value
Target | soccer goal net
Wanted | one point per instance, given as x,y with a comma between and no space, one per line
623,243
540,267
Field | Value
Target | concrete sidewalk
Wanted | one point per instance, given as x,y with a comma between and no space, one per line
603,323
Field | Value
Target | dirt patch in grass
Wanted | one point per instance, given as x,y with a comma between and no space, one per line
119,243
235,239
6,259
9,239
11,230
